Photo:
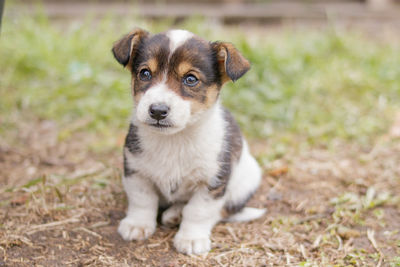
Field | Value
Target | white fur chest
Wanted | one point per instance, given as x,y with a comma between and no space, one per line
178,163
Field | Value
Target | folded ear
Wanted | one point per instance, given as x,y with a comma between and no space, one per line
125,48
232,65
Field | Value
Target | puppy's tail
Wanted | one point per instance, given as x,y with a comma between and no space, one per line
246,214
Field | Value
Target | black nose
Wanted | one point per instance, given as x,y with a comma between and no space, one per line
158,111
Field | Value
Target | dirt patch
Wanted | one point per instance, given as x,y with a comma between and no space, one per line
61,204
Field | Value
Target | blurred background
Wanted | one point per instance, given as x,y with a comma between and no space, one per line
322,69
320,108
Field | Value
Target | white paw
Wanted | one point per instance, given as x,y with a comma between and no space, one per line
132,229
172,216
198,245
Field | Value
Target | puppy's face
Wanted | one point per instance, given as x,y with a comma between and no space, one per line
176,76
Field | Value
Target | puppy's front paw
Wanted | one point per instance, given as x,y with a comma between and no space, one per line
192,245
132,229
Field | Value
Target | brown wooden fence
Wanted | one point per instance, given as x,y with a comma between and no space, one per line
229,10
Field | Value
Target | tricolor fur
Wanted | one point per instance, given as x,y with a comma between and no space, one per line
184,152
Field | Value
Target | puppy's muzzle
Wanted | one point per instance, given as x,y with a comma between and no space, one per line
158,111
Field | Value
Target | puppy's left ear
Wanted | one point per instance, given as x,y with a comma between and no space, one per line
232,65
125,48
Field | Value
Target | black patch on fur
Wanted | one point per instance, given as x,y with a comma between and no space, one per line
128,171
235,208
132,141
230,154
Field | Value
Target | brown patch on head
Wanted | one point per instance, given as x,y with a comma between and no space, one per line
210,98
183,68
153,64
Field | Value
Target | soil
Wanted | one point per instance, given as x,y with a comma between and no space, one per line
61,204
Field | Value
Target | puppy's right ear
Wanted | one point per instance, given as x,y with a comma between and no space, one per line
125,48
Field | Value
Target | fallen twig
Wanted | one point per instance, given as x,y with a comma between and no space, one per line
371,238
89,232
41,227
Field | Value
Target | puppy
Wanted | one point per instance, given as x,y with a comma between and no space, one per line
184,152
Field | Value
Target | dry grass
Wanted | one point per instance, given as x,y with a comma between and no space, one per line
60,206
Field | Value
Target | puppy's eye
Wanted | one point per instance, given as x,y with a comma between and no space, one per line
190,80
145,75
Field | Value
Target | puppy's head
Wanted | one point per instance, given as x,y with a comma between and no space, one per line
176,76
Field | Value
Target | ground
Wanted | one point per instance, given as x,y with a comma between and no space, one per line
320,109
325,206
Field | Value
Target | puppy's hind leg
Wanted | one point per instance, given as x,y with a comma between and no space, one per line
173,215
244,182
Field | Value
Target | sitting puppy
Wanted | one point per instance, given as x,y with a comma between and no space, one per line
184,152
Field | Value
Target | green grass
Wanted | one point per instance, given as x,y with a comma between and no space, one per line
317,85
